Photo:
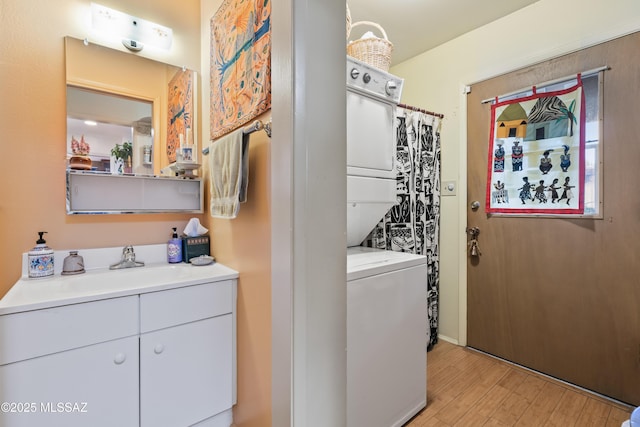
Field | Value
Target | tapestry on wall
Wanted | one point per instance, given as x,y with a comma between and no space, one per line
536,154
180,110
240,67
413,223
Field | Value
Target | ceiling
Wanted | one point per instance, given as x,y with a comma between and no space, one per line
415,26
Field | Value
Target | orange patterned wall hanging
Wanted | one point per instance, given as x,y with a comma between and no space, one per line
180,110
240,64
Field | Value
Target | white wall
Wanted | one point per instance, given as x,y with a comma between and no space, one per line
435,80
308,184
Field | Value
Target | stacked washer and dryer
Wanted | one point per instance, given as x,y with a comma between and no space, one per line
386,291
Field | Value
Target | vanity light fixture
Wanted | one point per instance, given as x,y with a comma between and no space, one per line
90,123
134,32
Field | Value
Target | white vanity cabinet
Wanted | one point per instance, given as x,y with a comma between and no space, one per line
187,370
74,365
160,355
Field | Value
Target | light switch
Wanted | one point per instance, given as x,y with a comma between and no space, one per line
449,188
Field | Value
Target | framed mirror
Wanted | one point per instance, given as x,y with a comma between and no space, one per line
127,115
117,88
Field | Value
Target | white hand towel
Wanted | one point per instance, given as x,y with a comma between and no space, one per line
229,172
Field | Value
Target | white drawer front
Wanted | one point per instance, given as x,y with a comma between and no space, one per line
39,332
177,306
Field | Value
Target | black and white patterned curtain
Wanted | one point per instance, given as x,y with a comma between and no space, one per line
413,223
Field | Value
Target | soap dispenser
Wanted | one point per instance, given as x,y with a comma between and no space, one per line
40,259
174,248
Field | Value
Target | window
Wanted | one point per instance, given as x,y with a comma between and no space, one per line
593,147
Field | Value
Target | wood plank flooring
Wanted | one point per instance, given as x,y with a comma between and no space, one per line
468,388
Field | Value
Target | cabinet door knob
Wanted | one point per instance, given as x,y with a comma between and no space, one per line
119,358
159,348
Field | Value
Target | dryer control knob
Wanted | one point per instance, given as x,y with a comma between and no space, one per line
354,73
390,87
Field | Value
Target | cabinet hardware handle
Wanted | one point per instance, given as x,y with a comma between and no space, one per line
119,358
159,348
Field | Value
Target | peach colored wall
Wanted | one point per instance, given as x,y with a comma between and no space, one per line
32,198
244,243
33,126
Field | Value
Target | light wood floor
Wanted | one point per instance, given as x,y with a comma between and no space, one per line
468,388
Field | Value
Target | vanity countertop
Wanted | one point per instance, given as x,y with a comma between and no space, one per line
101,283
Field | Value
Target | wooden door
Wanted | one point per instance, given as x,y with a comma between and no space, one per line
562,296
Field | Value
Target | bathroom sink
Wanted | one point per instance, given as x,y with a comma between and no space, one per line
30,294
113,280
99,282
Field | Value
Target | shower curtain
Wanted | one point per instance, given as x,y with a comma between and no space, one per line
413,223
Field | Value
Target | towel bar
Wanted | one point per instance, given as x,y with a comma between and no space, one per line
253,127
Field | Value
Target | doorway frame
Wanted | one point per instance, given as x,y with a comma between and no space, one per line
308,214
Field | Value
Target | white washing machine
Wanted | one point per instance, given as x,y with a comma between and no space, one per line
386,337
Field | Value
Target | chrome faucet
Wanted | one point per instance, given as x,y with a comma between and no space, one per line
128,259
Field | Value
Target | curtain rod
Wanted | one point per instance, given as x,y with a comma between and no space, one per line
409,107
549,83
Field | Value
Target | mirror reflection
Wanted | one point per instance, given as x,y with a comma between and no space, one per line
108,133
144,111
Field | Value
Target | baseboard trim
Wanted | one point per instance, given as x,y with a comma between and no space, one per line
448,339
558,380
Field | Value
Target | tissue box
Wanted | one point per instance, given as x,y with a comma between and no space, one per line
194,246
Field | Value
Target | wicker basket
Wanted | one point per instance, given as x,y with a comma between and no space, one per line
374,51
